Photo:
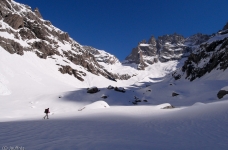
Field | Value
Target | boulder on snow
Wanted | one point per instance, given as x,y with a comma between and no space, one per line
96,105
120,89
104,96
135,103
222,93
174,94
169,107
93,89
110,87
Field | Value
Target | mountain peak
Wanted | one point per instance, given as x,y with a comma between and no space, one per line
37,12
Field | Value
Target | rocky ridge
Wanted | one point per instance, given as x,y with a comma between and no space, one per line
22,30
209,56
102,56
164,48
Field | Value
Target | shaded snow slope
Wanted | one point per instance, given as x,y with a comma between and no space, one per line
142,127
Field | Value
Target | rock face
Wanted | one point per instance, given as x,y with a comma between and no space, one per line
170,47
144,53
37,12
14,20
29,32
165,48
209,56
102,56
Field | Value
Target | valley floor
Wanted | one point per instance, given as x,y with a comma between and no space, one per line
28,85
200,126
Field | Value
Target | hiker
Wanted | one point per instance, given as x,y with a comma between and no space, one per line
46,111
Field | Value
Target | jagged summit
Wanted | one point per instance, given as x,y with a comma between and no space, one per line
164,48
144,53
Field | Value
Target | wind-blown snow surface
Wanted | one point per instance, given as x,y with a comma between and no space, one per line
29,84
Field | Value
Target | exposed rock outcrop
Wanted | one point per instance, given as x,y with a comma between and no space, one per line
77,74
37,12
165,48
102,56
143,54
11,46
209,56
14,20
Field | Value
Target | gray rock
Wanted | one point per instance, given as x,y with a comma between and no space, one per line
221,93
14,20
92,90
102,56
77,74
120,89
11,46
110,87
37,12
168,107
165,48
175,94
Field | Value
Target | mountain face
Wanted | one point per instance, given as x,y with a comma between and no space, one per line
102,56
144,53
165,48
209,56
23,30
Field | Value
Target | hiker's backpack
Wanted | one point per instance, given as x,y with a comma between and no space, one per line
46,111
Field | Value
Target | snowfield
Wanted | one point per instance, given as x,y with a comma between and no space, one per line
79,120
124,127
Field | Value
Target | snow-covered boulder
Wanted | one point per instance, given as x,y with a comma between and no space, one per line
96,105
198,104
165,106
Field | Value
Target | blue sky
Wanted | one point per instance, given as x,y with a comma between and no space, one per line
117,26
